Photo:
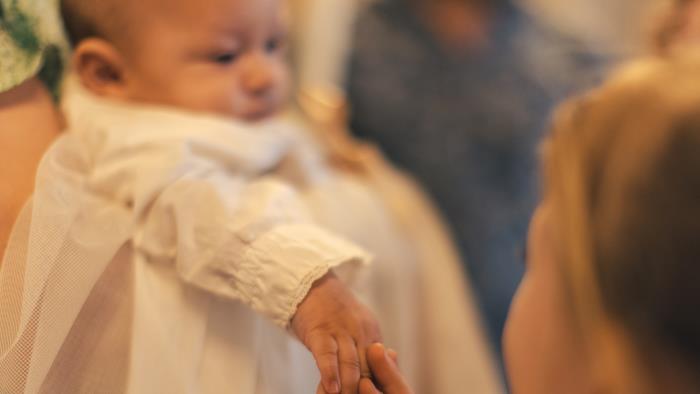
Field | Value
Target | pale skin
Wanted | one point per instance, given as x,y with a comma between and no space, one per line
227,57
689,33
542,351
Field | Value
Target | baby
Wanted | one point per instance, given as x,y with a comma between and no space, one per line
180,223
177,196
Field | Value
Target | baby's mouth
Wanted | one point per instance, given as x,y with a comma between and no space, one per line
259,112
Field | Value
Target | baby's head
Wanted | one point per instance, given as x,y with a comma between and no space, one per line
226,57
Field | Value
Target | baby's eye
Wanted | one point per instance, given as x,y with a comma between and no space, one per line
225,57
273,45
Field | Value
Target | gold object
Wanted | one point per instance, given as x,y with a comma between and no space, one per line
328,112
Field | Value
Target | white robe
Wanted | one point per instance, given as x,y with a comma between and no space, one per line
165,252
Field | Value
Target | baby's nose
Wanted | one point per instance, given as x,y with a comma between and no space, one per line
259,78
260,83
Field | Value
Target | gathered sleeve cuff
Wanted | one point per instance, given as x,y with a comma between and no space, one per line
274,272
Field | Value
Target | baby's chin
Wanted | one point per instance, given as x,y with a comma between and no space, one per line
258,115
248,113
251,113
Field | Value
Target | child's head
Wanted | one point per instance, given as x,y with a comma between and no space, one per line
219,56
611,298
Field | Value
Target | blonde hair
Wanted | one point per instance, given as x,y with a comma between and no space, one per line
622,169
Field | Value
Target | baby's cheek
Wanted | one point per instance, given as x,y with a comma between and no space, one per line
283,86
225,99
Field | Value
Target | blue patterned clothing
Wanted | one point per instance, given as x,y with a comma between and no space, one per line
467,125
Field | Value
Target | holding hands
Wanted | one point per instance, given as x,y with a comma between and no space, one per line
337,329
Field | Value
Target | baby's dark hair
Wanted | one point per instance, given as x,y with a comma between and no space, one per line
85,19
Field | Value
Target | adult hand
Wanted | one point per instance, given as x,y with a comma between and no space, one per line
385,370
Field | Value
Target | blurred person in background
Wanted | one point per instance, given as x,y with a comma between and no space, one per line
609,300
456,92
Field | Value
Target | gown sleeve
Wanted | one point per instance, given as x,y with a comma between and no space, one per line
246,241
243,236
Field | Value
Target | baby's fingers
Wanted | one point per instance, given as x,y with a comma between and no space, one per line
325,351
367,387
349,365
372,335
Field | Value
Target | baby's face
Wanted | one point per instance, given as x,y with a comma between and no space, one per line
226,57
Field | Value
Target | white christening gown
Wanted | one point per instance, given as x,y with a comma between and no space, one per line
165,252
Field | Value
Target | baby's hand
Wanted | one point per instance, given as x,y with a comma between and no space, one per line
337,329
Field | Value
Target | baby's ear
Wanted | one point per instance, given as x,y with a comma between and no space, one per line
100,67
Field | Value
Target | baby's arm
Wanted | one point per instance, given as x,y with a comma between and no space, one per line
253,242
